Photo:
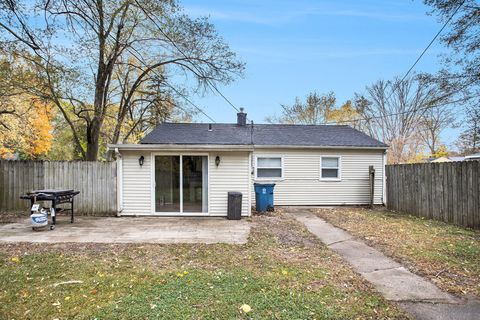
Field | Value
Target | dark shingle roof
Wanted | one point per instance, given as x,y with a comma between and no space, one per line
262,134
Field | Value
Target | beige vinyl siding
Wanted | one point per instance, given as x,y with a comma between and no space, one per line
233,174
301,184
136,184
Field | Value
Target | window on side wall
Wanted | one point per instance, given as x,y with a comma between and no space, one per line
269,168
330,168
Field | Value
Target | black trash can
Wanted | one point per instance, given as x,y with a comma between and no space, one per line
234,210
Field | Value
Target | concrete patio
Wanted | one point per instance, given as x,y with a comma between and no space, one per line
132,230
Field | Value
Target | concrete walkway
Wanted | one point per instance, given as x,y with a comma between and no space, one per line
416,295
132,230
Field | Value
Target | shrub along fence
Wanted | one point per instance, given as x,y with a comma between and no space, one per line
96,182
448,191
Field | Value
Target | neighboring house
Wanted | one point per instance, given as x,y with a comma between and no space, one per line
475,156
447,159
457,158
470,157
441,159
188,168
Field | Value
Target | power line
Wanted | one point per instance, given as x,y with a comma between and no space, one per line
170,86
404,112
426,48
139,57
209,83
189,101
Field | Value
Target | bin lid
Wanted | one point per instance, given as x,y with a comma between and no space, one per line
234,193
267,185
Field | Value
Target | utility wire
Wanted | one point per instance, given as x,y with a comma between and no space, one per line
407,111
210,83
408,72
139,57
426,48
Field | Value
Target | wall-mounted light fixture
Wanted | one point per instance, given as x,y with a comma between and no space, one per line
141,160
217,161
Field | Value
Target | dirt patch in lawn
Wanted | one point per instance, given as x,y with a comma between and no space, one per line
448,255
12,217
283,272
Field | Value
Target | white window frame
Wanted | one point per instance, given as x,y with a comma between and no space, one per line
269,156
339,168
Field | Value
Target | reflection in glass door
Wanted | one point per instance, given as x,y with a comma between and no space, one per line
181,184
167,184
194,183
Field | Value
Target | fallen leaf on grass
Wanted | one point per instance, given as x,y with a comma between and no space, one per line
67,282
15,259
245,308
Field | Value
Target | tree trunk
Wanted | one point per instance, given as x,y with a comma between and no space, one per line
93,137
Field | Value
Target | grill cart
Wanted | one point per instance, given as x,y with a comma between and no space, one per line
55,196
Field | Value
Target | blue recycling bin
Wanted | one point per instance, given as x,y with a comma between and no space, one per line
264,196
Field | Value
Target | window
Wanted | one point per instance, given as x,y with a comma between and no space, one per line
330,168
269,168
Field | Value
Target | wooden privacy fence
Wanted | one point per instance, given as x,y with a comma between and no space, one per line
446,191
96,182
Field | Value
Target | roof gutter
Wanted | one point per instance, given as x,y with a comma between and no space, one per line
176,147
316,147
251,147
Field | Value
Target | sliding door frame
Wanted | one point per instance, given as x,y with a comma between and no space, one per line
179,154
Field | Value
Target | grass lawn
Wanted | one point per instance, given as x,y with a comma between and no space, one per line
448,255
283,272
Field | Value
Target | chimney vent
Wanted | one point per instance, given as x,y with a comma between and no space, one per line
241,118
209,127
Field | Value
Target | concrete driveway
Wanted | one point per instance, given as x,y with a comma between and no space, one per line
132,230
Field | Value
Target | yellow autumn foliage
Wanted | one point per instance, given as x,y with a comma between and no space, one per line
28,131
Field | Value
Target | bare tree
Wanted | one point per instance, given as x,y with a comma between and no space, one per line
94,56
432,124
393,110
314,110
469,140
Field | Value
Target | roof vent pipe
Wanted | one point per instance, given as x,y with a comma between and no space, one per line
241,118
209,127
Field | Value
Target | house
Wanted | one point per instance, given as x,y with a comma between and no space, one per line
440,159
471,157
188,168
456,158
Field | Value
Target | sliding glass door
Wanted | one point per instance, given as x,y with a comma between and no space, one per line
167,183
181,184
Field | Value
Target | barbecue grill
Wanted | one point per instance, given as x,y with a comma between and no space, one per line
56,197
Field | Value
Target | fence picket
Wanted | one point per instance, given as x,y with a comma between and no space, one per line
94,180
448,191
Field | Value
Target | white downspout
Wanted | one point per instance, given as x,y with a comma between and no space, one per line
384,182
119,160
250,183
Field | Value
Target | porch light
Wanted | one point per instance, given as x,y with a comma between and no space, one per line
141,160
217,161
